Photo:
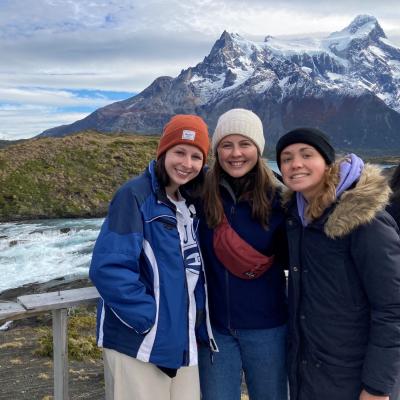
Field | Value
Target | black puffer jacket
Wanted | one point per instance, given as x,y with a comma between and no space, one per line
394,208
344,296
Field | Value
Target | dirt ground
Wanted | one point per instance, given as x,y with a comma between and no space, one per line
27,376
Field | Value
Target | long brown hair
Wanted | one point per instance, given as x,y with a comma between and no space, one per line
327,195
259,191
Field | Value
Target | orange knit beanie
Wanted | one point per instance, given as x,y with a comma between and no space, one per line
184,129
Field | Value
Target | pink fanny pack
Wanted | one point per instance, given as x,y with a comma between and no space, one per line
239,257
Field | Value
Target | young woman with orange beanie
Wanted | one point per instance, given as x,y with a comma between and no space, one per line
148,270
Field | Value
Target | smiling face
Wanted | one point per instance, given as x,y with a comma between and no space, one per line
183,163
237,155
303,169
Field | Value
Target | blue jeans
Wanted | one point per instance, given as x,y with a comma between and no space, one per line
259,353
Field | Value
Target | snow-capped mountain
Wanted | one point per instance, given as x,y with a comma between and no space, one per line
347,83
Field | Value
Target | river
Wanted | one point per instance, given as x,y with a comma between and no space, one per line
39,251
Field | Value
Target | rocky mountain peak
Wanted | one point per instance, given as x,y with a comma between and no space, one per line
365,24
362,32
227,54
224,42
347,83
159,85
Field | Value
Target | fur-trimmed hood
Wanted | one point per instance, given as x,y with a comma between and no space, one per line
356,206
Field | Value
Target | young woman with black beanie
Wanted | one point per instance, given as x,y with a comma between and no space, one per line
344,276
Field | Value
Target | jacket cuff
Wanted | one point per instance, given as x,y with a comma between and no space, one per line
373,391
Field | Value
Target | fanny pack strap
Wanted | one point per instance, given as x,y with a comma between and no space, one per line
238,256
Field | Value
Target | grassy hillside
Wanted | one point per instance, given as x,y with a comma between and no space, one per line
74,176
6,143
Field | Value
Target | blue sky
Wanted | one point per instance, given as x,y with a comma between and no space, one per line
62,59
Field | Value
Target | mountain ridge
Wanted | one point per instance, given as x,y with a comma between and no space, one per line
287,82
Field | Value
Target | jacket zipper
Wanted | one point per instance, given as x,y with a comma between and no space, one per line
187,350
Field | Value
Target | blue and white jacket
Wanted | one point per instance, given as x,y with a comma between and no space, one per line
138,268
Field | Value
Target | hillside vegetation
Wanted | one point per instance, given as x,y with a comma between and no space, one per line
73,176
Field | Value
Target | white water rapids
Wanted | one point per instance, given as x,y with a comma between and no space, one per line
42,250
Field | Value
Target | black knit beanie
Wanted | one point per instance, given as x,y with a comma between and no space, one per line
310,136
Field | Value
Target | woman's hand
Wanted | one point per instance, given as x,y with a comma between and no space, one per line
366,396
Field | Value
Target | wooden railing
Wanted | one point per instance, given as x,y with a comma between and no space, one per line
58,303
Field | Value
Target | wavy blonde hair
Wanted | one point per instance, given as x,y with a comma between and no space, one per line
327,194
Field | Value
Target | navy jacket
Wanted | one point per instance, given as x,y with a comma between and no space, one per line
344,297
394,209
235,303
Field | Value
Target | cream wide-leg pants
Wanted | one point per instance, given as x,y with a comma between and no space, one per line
127,378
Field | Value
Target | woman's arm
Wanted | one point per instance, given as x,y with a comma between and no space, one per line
114,269
375,250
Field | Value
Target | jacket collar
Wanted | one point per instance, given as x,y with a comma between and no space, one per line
275,183
155,185
355,207
225,184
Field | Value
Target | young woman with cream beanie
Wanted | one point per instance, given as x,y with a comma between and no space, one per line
148,270
242,241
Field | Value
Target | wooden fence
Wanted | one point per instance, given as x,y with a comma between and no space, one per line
58,303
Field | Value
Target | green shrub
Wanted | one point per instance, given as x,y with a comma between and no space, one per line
81,340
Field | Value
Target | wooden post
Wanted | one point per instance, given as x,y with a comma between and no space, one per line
60,354
58,303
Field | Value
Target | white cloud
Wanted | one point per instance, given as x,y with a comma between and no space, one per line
41,97
32,119
123,45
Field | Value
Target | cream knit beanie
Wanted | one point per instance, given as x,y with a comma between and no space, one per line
240,122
